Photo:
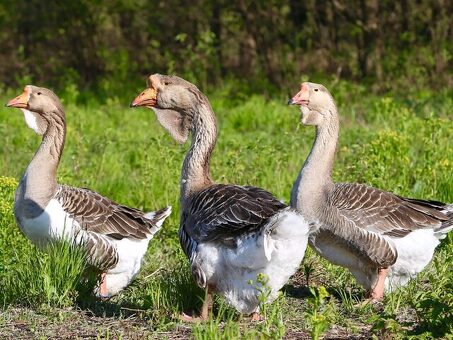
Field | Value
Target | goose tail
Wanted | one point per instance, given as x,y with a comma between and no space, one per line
157,218
286,225
448,209
446,225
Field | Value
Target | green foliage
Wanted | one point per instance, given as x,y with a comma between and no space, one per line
31,276
434,306
319,312
111,45
171,293
52,276
12,242
386,325
402,157
224,325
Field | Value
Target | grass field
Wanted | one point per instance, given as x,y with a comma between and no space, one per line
398,143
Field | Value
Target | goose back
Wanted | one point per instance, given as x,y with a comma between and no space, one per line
383,212
223,212
98,214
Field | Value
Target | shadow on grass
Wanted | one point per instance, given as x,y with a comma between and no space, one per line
111,308
298,292
341,294
160,299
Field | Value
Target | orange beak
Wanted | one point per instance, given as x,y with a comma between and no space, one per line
302,97
21,102
147,98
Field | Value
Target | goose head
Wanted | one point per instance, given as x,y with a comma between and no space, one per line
316,104
173,99
41,107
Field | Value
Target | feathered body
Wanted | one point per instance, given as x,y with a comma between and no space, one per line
356,226
365,228
230,233
116,237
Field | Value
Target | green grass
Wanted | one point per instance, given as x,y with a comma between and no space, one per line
52,275
401,144
56,275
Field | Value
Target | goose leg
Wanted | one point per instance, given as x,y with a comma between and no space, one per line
103,291
377,293
255,317
206,309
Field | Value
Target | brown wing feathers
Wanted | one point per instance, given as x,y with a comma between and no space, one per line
227,210
98,214
383,212
100,251
369,245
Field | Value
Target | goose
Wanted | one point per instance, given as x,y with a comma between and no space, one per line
115,237
382,238
230,233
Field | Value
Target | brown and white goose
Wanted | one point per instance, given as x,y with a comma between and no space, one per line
382,238
230,233
116,237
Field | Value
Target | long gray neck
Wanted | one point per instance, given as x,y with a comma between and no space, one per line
315,179
38,184
195,175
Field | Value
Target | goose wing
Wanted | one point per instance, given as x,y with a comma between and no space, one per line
384,213
360,216
97,214
369,246
223,212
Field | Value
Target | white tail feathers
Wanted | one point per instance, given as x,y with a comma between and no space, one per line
269,246
447,226
442,233
286,225
291,224
158,217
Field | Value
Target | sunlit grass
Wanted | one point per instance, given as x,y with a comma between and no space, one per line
399,144
55,275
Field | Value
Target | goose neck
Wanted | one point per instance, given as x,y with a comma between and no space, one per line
315,178
38,184
196,174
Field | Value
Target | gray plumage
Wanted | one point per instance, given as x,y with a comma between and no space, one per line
224,212
104,219
114,236
359,227
230,233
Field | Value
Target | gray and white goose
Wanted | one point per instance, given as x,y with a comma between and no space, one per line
116,237
382,238
230,233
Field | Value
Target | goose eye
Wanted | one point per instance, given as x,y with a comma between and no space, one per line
166,82
316,90
39,93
